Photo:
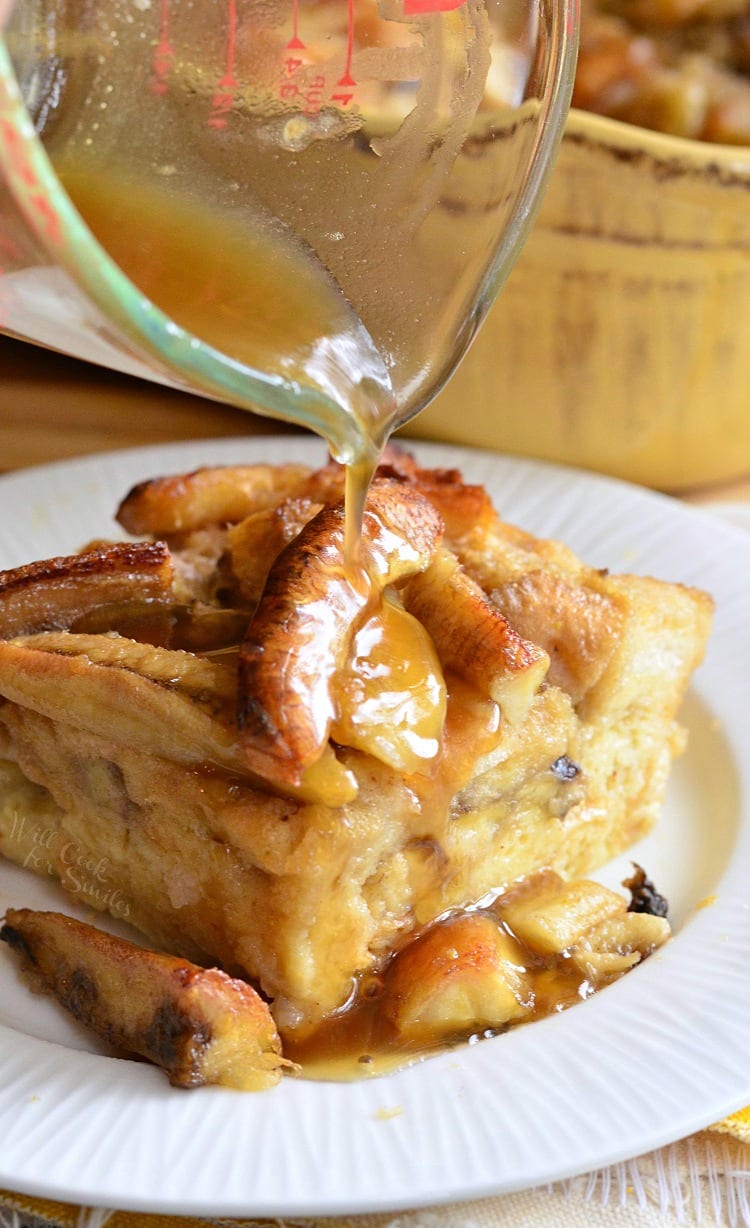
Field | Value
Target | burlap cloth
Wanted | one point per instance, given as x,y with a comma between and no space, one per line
703,1180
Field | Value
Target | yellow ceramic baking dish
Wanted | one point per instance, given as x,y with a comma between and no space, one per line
621,341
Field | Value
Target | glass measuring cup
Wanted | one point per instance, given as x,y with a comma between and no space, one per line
300,208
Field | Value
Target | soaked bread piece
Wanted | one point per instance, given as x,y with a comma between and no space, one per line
475,706
680,67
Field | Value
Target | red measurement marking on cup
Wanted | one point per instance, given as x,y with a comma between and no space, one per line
13,142
347,80
161,64
45,218
413,7
306,93
11,252
309,93
295,42
223,99
293,63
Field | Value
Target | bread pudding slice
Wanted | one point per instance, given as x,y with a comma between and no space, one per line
276,763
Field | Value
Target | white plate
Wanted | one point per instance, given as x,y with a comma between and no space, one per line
654,1057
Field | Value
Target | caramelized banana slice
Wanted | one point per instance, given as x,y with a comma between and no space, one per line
461,975
195,676
52,594
474,638
551,915
198,1024
193,627
616,945
465,509
215,495
257,541
302,631
328,484
136,711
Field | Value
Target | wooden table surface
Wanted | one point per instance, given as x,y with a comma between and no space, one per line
52,407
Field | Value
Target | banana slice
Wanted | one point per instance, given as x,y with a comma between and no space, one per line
463,974
474,638
52,594
216,495
198,1024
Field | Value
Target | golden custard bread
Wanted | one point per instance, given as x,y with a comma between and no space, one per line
288,767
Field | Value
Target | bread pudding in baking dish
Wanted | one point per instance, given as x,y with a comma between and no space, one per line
361,796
